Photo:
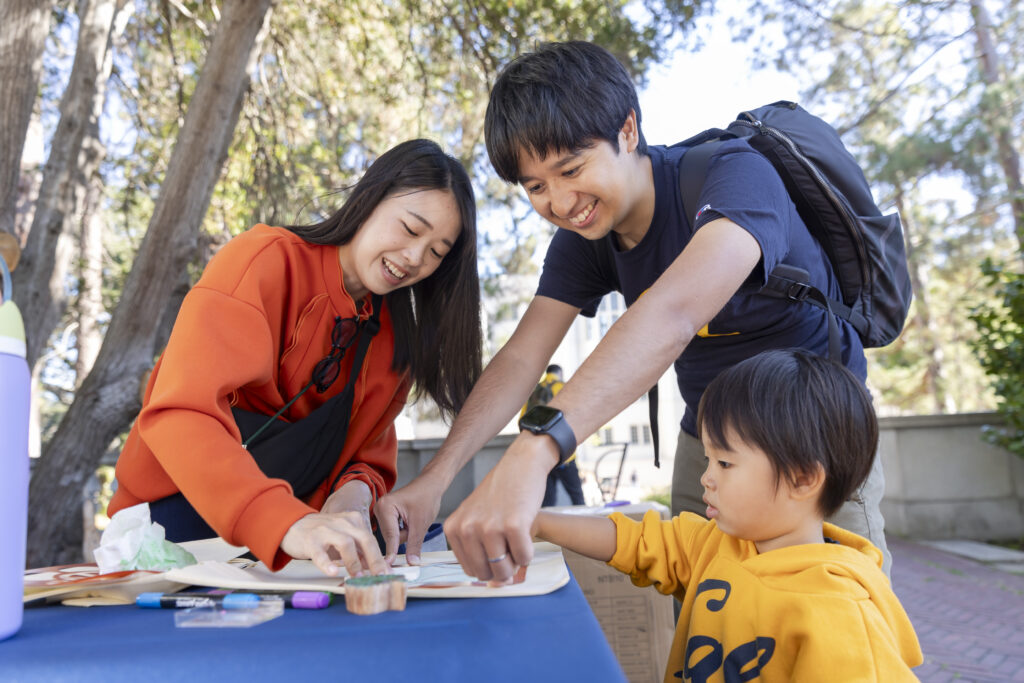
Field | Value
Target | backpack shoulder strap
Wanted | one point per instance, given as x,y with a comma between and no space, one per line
693,170
793,283
652,408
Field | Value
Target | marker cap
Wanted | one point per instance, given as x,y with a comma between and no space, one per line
148,599
241,601
310,600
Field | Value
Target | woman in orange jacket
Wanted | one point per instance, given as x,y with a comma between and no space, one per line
269,418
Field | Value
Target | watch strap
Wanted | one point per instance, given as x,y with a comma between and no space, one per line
560,431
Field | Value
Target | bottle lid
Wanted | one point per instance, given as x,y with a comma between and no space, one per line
12,330
12,327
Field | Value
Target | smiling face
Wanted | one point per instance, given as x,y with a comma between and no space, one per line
402,242
593,190
742,496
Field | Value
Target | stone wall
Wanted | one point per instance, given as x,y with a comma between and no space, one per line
415,454
942,480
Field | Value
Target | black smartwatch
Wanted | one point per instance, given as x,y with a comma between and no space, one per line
550,421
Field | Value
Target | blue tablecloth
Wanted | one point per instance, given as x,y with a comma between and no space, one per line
551,637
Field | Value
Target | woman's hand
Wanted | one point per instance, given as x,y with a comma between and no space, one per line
353,496
338,535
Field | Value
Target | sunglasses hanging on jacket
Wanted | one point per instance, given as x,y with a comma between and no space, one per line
320,436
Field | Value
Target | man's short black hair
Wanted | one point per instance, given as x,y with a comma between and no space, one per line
557,369
802,410
561,97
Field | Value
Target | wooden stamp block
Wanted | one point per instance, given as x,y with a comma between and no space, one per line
375,594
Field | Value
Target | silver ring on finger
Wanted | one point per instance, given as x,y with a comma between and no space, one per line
499,558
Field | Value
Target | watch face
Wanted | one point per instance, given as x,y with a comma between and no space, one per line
540,417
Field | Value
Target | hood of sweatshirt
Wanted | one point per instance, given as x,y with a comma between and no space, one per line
849,567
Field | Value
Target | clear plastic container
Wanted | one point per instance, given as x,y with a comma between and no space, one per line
218,617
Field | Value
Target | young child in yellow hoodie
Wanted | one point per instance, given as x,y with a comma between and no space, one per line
769,590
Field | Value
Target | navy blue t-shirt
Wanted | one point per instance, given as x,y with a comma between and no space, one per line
741,185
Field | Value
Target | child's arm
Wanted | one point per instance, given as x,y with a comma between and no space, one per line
590,536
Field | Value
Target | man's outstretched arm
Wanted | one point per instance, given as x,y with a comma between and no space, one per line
497,396
490,531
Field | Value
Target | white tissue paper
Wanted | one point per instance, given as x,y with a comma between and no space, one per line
132,541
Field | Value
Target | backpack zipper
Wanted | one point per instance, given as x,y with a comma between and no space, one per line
851,224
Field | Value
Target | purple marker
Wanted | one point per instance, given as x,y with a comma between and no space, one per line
301,599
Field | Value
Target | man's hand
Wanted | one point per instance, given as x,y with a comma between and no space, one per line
341,531
406,513
490,531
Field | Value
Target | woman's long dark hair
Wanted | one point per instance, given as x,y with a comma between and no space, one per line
436,320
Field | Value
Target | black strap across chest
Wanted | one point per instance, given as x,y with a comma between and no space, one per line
303,453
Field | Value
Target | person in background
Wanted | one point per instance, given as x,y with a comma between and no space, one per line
269,418
568,474
769,590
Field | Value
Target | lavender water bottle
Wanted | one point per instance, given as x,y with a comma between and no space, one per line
14,413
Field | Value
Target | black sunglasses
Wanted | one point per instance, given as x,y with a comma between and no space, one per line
326,371
345,331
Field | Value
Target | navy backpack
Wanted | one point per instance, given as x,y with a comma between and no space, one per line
832,196
827,185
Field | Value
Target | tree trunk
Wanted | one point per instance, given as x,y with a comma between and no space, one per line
998,119
89,306
39,285
933,382
109,396
30,177
23,26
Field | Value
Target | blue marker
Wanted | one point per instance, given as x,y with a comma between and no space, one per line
184,600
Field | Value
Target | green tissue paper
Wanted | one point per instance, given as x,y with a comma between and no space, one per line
160,554
133,541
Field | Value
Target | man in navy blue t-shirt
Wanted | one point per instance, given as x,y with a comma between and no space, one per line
564,122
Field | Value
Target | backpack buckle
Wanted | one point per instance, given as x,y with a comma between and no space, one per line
797,291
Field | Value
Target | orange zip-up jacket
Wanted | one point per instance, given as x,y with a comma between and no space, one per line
249,334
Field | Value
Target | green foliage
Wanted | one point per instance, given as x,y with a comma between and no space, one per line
337,83
905,82
332,85
105,491
1000,349
662,495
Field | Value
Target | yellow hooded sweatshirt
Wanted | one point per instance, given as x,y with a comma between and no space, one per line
815,612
